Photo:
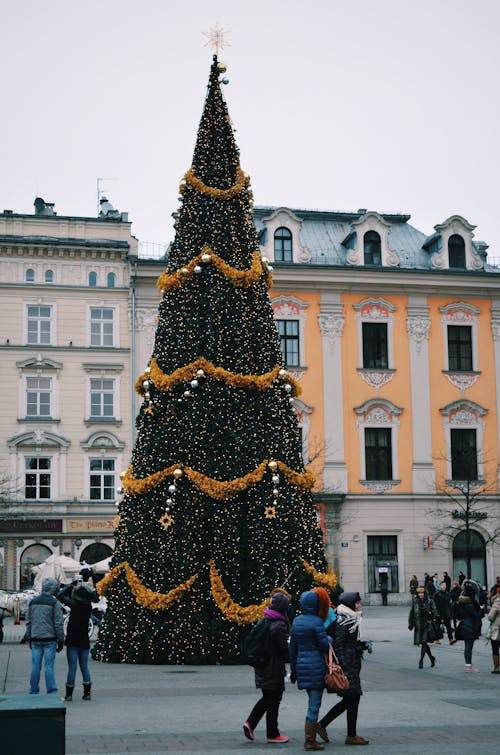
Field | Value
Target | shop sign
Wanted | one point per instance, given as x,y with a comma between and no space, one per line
31,525
88,525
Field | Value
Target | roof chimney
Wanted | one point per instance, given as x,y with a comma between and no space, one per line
43,208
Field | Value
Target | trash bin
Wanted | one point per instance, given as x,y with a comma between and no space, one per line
32,724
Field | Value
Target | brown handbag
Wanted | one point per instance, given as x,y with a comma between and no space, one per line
335,679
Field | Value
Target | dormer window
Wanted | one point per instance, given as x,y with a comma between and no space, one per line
92,280
30,275
283,249
372,248
456,252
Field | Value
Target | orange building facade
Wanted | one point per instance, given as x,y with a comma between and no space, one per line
395,339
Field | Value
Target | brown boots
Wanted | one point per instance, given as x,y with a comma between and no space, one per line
310,738
496,664
356,741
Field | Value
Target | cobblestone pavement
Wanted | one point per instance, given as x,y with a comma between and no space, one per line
200,709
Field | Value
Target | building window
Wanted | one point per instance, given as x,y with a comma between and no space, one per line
382,552
102,479
92,280
49,276
30,275
283,249
456,252
101,326
289,339
37,478
463,454
39,324
111,280
38,392
378,453
372,246
460,348
375,353
102,397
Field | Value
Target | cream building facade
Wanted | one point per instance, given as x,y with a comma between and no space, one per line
65,355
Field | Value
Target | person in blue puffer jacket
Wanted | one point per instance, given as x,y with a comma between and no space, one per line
309,643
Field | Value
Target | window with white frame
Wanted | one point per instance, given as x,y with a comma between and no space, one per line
372,248
39,324
289,341
290,315
102,479
283,249
30,275
38,396
456,252
111,280
375,327
101,326
102,397
49,276
37,478
92,279
460,324
463,425
378,428
460,348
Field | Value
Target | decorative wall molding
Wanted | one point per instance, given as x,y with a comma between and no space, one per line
285,218
380,486
376,378
462,380
418,328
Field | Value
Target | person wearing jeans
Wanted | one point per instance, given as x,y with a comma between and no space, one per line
309,644
45,634
79,598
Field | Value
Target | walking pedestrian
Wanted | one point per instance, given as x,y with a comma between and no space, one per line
494,631
413,584
270,678
447,581
470,615
349,651
455,593
79,599
422,611
442,601
45,633
429,586
309,643
461,577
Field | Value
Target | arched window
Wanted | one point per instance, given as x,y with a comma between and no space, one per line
33,555
456,252
95,552
92,279
30,275
49,276
111,280
372,248
283,250
469,552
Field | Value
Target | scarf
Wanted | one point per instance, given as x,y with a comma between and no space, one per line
270,613
352,618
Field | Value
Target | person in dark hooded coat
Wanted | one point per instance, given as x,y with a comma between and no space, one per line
79,598
309,644
423,610
349,650
470,615
270,679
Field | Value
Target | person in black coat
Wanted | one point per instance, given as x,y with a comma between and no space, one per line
79,598
270,679
349,651
422,611
470,615
442,601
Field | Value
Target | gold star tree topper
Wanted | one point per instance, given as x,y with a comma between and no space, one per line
217,38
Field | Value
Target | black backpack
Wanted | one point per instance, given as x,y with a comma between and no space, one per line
257,644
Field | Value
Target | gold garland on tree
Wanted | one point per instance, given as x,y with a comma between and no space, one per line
242,180
220,490
164,382
239,278
154,601
328,580
230,610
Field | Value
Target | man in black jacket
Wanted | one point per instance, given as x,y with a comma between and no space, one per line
45,633
442,601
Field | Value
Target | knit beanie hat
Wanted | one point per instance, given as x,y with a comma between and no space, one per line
350,599
280,602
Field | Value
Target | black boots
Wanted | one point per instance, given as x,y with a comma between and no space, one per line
69,693
87,686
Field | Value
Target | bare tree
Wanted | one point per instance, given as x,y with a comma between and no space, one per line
464,500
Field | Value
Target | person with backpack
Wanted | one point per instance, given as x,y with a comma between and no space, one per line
267,651
309,643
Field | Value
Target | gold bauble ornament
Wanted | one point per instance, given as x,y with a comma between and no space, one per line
178,472
221,67
206,257
272,465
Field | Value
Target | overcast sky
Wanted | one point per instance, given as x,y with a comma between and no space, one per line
390,105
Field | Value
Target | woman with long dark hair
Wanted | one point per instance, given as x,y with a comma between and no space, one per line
422,612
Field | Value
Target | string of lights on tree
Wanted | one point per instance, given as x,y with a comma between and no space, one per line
217,508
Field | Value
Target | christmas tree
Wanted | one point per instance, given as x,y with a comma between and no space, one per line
217,508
